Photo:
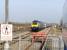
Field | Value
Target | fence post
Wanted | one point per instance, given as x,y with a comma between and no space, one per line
59,44
19,42
6,46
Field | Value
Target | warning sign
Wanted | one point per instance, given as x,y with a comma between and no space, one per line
6,32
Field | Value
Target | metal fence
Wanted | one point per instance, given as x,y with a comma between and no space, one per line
52,43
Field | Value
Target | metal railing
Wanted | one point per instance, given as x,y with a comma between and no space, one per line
52,43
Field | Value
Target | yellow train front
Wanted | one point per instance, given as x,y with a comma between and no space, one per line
36,25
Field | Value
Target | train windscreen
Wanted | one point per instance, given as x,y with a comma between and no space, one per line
34,23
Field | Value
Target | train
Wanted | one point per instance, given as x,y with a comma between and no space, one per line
37,25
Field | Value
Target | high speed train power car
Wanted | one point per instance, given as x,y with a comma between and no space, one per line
36,25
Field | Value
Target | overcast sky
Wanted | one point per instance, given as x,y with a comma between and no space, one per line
28,10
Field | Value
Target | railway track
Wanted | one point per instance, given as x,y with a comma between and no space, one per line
16,37
54,41
39,45
25,41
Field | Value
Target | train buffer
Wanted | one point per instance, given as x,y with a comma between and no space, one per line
40,35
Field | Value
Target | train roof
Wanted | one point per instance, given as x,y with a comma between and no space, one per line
37,21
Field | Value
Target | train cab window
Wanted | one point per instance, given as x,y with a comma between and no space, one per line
34,23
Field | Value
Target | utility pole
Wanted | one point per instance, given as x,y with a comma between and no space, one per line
6,45
6,11
61,24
